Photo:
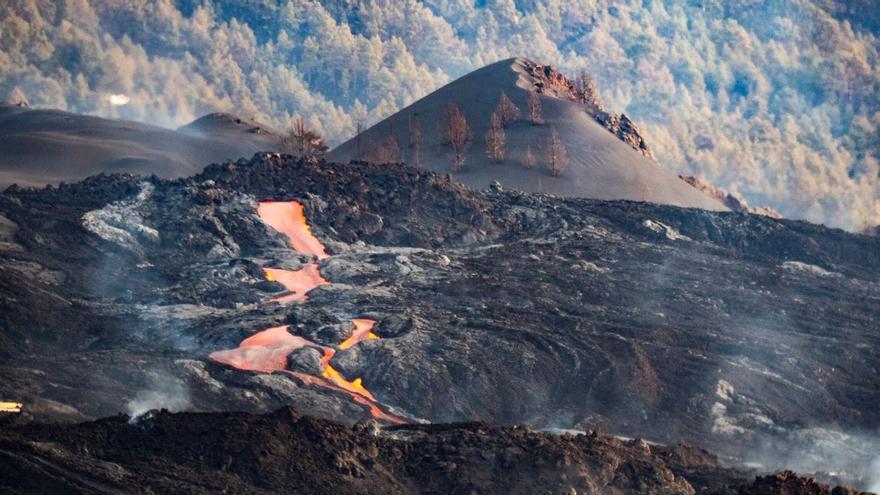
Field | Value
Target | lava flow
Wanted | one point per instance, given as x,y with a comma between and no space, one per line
267,351
363,330
297,282
288,218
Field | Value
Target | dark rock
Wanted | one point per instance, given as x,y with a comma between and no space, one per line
305,359
719,329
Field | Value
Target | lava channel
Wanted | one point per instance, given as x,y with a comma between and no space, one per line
363,330
288,218
267,351
264,351
297,282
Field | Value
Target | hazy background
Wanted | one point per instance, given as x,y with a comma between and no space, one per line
776,100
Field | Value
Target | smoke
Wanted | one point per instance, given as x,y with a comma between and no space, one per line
163,392
874,476
834,456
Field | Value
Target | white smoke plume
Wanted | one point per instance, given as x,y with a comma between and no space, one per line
776,101
853,458
163,392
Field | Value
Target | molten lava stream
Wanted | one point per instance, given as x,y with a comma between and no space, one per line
268,351
363,330
297,282
288,218
265,351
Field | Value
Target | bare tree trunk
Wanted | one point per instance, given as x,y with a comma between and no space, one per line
495,139
587,92
391,150
358,139
556,154
530,157
506,110
415,140
535,108
457,133
302,141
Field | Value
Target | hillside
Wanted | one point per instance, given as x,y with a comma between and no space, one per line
39,147
750,336
286,452
600,164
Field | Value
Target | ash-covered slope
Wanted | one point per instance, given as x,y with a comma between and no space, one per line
39,147
284,452
601,165
745,334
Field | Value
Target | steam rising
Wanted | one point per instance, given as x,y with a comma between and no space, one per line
850,457
874,480
163,393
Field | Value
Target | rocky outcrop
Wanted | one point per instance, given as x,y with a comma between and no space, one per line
551,82
626,130
729,199
284,451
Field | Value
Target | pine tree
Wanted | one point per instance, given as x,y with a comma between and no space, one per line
535,108
506,110
495,139
358,139
457,134
415,140
556,154
530,157
586,90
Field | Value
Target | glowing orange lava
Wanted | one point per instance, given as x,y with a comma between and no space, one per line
288,218
267,351
297,282
355,386
363,330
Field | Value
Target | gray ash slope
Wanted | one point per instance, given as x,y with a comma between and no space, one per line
41,146
601,164
720,329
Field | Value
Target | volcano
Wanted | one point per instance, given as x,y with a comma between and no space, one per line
39,147
607,157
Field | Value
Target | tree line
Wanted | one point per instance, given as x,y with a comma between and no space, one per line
456,134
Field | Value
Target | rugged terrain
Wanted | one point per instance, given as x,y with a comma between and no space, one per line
751,336
39,147
288,453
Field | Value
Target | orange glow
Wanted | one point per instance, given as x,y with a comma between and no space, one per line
288,218
355,386
268,351
265,351
363,330
297,282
